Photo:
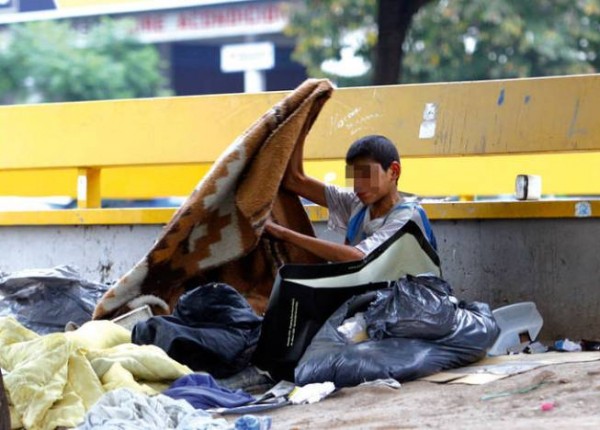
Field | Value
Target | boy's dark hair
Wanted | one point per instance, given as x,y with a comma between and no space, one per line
377,148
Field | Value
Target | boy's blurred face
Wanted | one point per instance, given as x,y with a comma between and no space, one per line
371,183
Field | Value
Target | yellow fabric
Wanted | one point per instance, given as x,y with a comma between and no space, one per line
37,374
15,419
144,362
99,334
118,377
68,411
83,379
11,332
53,380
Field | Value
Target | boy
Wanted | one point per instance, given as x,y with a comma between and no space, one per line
369,215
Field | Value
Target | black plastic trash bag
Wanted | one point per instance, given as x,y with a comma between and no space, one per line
213,329
420,307
305,295
45,300
330,357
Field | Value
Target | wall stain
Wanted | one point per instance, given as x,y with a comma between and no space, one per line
104,269
501,97
573,130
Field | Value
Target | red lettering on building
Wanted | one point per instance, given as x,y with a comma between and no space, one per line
211,18
150,23
183,22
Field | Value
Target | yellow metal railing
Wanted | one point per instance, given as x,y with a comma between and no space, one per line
562,174
460,139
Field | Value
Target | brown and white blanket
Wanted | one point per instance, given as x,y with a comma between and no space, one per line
217,234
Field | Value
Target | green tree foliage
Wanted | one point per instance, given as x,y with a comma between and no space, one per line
475,39
50,61
459,39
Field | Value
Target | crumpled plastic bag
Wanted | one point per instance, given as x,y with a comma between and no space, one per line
45,300
330,357
354,328
414,307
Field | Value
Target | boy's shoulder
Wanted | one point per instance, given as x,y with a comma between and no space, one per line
343,194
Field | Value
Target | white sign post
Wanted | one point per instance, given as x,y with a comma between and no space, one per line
252,59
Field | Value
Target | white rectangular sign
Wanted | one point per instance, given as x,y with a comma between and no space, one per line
9,6
247,56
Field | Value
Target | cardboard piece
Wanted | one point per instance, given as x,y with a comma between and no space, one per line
494,368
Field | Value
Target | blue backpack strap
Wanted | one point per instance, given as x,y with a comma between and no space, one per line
424,220
354,224
427,225
357,220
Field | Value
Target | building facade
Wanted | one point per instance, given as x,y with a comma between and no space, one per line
191,36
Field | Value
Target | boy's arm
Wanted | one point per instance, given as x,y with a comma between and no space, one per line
296,181
327,250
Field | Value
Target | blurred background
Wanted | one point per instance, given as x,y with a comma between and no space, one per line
73,50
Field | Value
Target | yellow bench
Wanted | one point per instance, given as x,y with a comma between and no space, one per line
455,139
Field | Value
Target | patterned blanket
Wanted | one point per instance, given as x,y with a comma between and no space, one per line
216,235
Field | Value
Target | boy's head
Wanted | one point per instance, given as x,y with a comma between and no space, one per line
375,147
373,165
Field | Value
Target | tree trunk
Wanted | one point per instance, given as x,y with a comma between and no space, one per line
393,21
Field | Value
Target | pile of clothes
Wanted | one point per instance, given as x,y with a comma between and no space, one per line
163,369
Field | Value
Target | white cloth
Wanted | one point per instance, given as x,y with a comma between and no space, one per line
123,409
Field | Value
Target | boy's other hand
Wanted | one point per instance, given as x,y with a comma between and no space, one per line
274,230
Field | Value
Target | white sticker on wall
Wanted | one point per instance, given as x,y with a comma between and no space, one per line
583,209
81,188
427,129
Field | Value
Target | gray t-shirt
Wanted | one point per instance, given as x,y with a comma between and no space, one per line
344,204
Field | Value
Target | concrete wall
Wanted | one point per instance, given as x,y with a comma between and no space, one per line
553,262
100,253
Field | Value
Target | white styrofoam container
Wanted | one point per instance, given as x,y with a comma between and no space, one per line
515,320
129,319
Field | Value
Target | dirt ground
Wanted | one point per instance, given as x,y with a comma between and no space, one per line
572,388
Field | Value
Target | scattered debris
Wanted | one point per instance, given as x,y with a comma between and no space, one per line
542,378
522,390
252,422
590,345
547,406
311,393
567,345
